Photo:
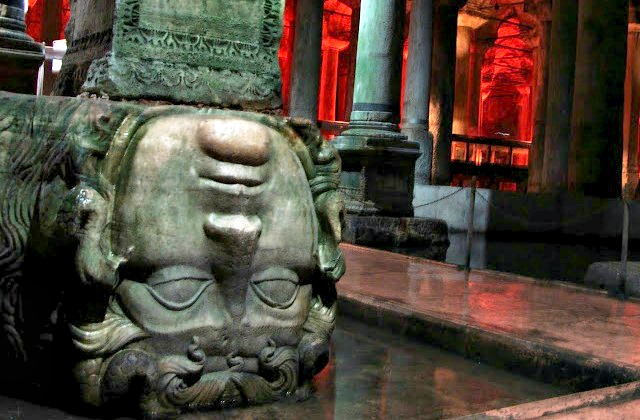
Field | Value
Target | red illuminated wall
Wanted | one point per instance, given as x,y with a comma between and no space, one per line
338,58
336,72
506,87
35,17
286,51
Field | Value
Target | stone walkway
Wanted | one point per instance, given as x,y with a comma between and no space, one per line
597,329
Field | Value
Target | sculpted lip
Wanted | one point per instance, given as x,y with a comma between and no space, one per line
232,173
230,189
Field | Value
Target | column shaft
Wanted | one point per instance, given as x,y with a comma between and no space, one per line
632,117
376,96
442,90
595,156
460,106
353,50
328,84
417,86
377,160
305,70
536,155
562,61
475,69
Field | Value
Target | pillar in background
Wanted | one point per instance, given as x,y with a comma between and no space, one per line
417,84
329,78
476,57
595,155
20,55
353,48
305,71
443,70
51,26
462,87
632,114
562,61
537,153
377,160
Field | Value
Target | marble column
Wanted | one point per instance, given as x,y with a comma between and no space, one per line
51,25
462,87
329,78
20,55
305,68
476,59
595,155
632,115
443,70
353,49
537,151
417,84
562,60
377,159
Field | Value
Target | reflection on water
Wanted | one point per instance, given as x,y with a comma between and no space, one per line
555,261
375,375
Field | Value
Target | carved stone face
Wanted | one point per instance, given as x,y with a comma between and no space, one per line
199,248
218,224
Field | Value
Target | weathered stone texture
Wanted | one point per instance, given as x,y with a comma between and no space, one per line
167,259
219,52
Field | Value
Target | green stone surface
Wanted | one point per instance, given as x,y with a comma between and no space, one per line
165,259
215,52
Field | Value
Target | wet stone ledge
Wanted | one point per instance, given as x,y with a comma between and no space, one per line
537,360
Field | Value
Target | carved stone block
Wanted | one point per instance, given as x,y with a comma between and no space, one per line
216,52
166,259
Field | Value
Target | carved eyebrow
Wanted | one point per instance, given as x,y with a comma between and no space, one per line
178,272
275,273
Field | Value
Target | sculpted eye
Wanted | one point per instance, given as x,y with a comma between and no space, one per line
177,288
276,287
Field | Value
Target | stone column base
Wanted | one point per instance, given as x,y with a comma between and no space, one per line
430,235
20,60
377,171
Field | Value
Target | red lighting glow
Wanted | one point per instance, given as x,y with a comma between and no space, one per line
505,105
286,51
35,15
336,61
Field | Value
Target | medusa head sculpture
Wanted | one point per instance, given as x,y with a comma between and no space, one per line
166,259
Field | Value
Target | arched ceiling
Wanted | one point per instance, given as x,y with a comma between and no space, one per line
476,12
490,14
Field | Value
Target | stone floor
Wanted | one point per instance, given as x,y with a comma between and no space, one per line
582,323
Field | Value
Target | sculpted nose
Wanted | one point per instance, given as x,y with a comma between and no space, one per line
235,141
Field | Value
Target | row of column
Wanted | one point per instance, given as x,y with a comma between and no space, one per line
583,140
578,128
378,158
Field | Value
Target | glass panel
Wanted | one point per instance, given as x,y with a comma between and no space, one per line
520,157
508,186
478,153
499,155
458,151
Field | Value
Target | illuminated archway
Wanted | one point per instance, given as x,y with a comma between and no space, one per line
506,85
